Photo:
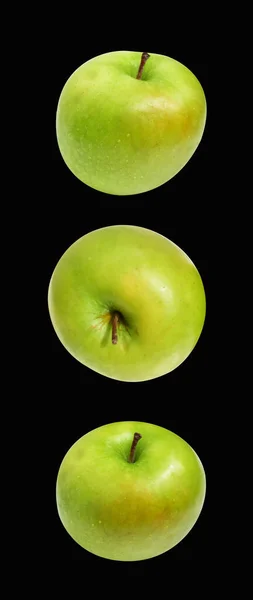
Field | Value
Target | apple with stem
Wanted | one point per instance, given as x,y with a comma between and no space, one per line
127,302
130,491
127,122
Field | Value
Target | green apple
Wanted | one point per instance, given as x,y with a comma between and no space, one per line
127,122
127,302
130,491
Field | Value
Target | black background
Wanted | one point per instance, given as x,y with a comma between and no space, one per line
179,210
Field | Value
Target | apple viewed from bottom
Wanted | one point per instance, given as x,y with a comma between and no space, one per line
127,302
130,491
127,122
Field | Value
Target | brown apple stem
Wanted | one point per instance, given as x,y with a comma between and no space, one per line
137,437
115,321
144,58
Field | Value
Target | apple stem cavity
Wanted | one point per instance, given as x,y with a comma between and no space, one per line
115,321
137,437
144,58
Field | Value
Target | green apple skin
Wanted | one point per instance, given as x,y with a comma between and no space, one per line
144,276
122,135
130,511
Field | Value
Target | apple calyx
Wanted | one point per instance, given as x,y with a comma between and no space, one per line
144,58
137,437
